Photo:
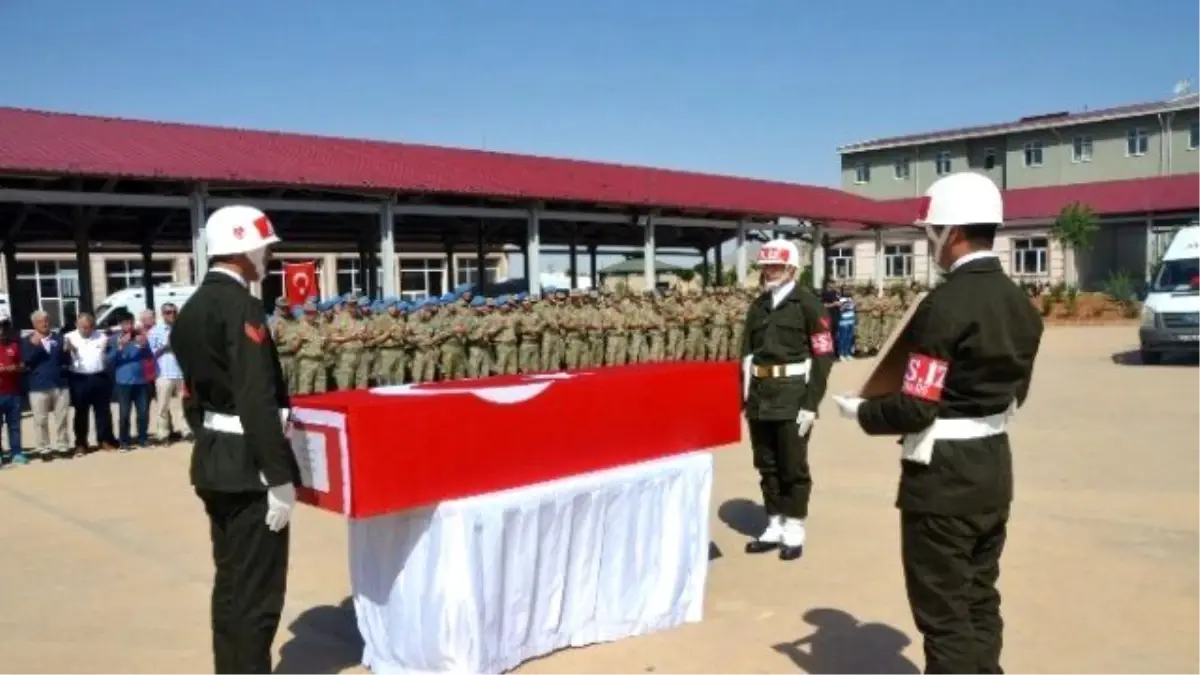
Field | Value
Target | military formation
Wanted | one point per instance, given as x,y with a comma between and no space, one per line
878,316
353,342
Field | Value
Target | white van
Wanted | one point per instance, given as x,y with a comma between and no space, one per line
133,301
1171,312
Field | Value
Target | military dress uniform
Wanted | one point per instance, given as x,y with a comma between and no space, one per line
973,342
236,392
787,355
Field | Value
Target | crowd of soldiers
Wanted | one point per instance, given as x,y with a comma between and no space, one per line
352,342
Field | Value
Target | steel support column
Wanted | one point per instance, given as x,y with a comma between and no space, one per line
533,244
451,264
573,257
818,255
593,269
196,216
648,263
83,262
879,260
481,257
719,264
741,253
148,272
704,268
387,248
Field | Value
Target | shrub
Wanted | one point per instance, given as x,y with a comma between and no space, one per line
1057,291
1120,289
1047,304
1072,301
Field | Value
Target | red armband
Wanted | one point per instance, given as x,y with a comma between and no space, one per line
821,343
925,377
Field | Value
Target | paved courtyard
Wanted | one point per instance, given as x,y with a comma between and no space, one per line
104,561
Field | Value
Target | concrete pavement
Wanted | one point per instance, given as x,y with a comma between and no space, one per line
106,567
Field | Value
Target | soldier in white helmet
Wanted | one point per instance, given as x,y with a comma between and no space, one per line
242,465
787,353
971,347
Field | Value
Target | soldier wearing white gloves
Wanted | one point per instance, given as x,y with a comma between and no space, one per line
787,353
243,468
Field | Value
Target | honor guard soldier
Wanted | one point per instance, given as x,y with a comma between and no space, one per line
787,354
242,465
971,346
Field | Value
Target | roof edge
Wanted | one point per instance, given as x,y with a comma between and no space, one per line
1004,128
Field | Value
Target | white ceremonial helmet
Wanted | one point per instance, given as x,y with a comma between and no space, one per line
965,198
779,252
240,230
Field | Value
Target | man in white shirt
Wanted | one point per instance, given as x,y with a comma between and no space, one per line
168,380
90,383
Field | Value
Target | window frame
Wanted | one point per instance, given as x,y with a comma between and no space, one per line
1193,135
943,156
1140,137
862,172
1039,245
989,158
1080,143
837,259
902,168
901,253
1034,150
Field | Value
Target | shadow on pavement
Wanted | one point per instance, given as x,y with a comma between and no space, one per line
324,640
839,643
743,516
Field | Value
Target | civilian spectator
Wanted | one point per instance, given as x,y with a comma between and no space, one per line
129,351
89,383
832,303
145,326
45,367
11,367
846,326
168,387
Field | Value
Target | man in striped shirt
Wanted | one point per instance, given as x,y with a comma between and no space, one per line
168,381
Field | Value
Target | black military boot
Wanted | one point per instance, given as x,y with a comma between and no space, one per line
769,539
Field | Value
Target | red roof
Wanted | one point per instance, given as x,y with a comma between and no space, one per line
34,141
1161,194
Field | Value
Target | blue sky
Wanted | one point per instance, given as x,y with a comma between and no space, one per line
767,88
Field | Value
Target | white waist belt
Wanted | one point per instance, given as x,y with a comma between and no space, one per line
802,369
232,424
918,447
227,424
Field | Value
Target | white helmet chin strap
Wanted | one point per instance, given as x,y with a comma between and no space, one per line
258,258
937,242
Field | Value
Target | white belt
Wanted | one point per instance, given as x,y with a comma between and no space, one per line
232,424
227,424
801,369
918,447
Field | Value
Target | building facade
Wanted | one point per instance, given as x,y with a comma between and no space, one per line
1061,149
49,279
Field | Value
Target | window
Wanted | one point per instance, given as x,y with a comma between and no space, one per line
1030,256
122,274
350,277
862,173
841,263
902,169
1081,149
51,286
1137,142
1033,154
467,272
989,159
421,278
898,261
943,163
1194,135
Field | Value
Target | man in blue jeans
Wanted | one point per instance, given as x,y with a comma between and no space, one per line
130,351
11,368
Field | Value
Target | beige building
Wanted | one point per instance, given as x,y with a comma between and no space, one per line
1150,140
49,279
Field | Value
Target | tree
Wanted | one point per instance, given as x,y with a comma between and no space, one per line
1073,230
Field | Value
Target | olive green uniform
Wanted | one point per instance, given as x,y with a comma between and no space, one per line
973,342
310,357
794,332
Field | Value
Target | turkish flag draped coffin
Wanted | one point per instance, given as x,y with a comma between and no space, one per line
300,282
366,453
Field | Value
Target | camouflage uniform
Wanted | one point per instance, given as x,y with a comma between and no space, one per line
530,327
311,375
506,339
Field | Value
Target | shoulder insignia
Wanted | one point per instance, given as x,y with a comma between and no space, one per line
257,334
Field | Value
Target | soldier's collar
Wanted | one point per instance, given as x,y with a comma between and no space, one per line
981,257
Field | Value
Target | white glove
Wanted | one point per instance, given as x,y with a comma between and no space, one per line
804,421
285,419
281,501
848,406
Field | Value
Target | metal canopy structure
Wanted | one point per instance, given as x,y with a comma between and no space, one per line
70,178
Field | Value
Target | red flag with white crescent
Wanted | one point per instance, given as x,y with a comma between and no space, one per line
300,282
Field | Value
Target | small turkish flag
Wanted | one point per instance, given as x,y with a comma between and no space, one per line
300,282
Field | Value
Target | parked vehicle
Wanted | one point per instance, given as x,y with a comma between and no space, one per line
1171,311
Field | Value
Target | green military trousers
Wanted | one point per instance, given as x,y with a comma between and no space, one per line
951,564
